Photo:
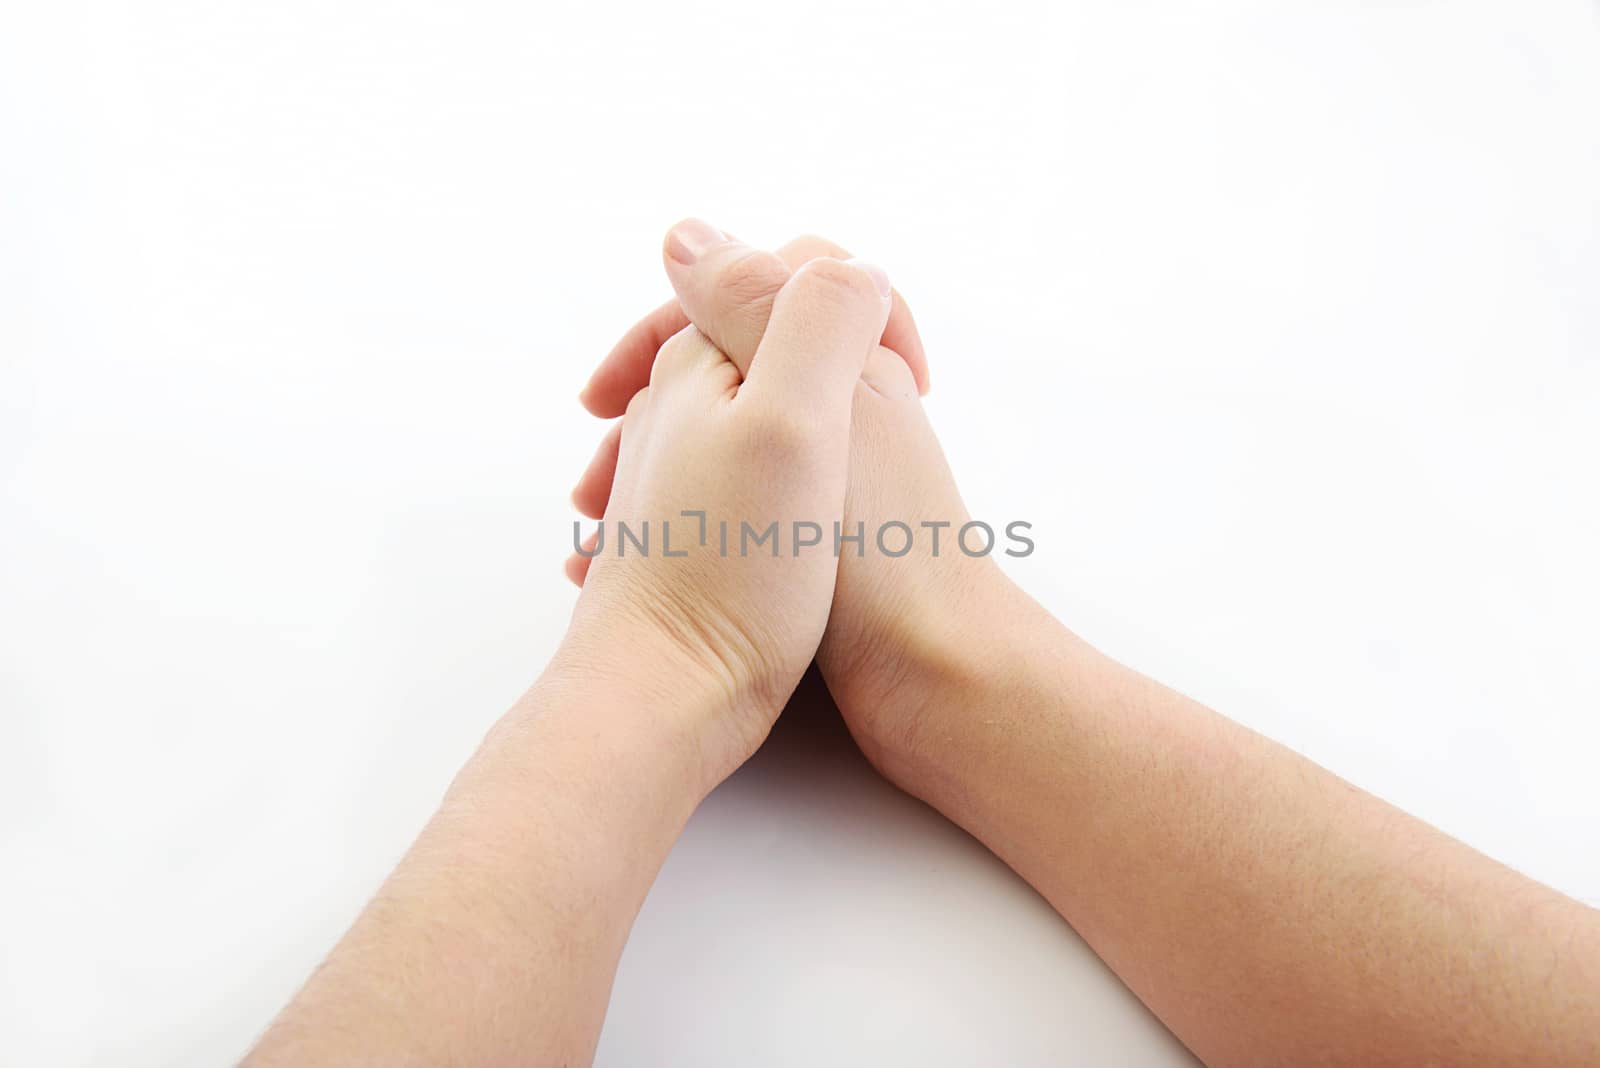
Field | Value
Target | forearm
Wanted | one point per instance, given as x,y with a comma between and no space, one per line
1267,911
496,938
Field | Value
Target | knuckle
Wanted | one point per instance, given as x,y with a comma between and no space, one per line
680,350
636,404
752,278
836,280
812,246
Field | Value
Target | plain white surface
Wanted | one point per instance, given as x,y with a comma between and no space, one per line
1279,322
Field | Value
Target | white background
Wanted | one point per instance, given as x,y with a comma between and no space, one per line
1280,321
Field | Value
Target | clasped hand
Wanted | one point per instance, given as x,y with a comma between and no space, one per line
778,388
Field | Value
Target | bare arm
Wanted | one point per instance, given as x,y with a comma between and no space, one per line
1266,910
496,938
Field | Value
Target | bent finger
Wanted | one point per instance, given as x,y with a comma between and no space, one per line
626,368
899,333
593,490
825,322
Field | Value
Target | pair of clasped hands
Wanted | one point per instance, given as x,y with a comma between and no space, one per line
1268,912
776,386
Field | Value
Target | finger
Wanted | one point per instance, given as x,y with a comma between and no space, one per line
888,374
577,565
899,334
825,321
690,354
724,286
626,369
593,490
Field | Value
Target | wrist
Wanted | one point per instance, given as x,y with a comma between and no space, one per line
977,686
694,721
583,753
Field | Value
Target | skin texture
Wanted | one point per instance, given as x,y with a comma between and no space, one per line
496,938
1268,912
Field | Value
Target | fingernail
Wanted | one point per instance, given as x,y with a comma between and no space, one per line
690,239
880,277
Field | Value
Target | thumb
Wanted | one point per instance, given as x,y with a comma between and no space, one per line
726,288
825,320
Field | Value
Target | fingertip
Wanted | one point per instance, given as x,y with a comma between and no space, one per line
688,240
576,567
626,368
879,276
900,334
601,401
592,492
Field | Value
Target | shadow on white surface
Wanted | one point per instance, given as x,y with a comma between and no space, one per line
814,914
